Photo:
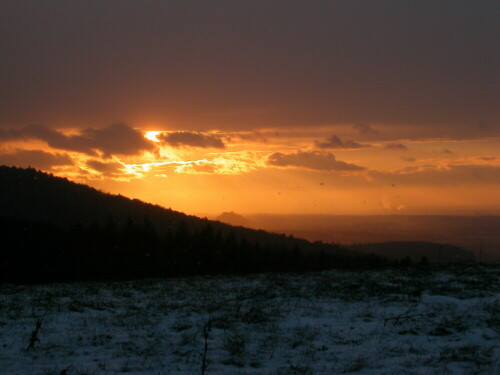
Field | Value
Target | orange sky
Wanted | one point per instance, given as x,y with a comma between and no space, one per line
335,107
273,170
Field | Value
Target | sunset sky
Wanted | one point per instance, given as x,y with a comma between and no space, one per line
332,107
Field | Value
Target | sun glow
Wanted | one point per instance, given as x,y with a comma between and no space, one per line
152,135
140,169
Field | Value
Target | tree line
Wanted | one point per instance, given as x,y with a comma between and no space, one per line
44,252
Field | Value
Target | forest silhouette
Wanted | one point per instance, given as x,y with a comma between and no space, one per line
57,230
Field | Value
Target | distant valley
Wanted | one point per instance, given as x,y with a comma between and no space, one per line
479,234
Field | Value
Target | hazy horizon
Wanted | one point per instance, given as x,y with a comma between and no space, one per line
478,234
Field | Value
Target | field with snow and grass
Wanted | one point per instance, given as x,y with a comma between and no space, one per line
335,322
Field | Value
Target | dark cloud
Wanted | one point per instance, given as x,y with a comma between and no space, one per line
10,134
192,139
395,147
315,160
115,139
108,169
35,158
118,139
335,142
488,158
447,151
252,137
249,63
408,159
365,129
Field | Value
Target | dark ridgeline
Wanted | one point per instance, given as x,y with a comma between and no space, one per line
416,251
56,230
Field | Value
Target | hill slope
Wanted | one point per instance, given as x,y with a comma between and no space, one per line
60,230
31,195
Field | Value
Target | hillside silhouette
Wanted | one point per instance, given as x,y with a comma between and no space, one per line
55,229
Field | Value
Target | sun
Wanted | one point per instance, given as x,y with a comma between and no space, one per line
152,135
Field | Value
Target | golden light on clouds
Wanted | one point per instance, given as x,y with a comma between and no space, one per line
315,170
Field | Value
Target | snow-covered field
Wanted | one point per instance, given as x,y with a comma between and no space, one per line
332,322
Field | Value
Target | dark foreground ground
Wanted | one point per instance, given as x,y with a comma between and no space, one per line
332,322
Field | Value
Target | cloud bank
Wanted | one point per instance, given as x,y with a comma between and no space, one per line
108,169
115,139
192,139
335,142
395,147
35,158
314,160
